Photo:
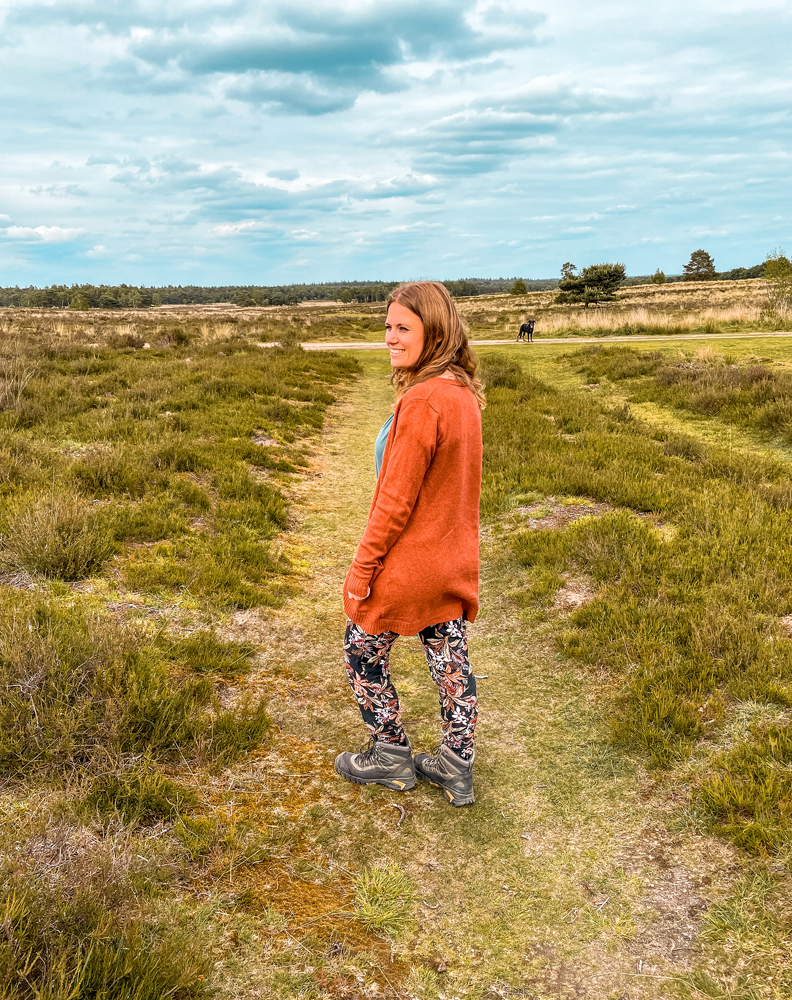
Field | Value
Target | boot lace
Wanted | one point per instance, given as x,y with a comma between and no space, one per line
370,754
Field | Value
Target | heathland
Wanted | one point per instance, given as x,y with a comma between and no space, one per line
709,307
180,501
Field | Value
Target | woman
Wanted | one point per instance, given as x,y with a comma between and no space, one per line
416,568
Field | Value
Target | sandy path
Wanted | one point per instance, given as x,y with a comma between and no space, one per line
366,346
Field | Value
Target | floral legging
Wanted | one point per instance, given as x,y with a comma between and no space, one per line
445,645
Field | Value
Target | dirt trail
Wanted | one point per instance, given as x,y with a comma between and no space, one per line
564,879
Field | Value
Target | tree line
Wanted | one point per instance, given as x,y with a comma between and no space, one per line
589,286
82,297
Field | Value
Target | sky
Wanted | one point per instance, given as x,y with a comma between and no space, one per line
235,142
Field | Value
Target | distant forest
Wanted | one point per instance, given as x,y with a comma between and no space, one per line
134,297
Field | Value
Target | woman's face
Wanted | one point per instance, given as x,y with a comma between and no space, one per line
404,335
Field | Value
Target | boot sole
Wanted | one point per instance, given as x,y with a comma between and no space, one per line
394,784
455,800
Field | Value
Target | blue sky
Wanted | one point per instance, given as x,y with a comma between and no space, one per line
225,141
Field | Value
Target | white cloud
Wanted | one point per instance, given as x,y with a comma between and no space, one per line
49,234
97,251
397,122
232,228
412,227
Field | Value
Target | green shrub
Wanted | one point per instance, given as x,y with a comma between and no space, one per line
683,620
243,500
180,458
234,734
748,395
152,519
233,569
59,535
616,363
104,472
157,715
499,370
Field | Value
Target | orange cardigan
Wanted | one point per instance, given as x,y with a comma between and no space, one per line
420,550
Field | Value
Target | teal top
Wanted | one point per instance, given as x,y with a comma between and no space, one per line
379,444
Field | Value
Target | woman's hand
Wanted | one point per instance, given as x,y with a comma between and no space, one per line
354,597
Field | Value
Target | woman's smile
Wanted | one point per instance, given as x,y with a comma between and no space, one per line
404,336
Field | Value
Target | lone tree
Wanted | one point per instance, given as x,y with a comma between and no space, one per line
518,288
778,272
598,283
659,278
700,267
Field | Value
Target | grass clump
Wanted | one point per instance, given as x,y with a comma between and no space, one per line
139,795
749,797
384,898
203,653
59,535
232,569
233,734
60,947
76,689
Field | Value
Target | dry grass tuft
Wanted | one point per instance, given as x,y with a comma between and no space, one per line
61,535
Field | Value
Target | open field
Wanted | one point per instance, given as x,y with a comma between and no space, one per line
679,308
176,523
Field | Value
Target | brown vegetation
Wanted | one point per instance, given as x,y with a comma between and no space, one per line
679,307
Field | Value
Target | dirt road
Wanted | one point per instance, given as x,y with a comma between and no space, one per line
366,346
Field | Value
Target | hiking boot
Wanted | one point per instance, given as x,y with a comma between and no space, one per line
449,772
379,763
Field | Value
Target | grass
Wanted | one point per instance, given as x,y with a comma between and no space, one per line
59,536
679,308
749,795
139,795
384,900
57,948
691,574
203,652
143,490
79,690
172,712
168,442
755,395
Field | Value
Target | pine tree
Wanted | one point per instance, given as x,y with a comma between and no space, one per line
598,283
700,267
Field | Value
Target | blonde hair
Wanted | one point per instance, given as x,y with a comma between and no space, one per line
446,347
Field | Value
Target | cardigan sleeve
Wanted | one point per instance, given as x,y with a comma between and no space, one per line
410,455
